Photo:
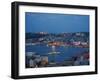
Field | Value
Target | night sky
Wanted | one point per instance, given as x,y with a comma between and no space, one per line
56,23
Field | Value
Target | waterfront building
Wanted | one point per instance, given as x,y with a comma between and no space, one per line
32,63
76,43
84,43
44,61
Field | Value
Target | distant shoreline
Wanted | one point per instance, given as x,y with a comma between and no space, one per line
80,46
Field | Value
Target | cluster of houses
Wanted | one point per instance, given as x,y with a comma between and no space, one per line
63,39
34,61
82,59
80,43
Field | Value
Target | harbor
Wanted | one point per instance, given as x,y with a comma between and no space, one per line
46,52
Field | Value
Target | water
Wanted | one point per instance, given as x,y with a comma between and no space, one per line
64,52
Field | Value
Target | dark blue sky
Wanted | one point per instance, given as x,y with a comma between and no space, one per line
56,23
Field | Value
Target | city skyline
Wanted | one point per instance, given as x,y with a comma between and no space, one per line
56,23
